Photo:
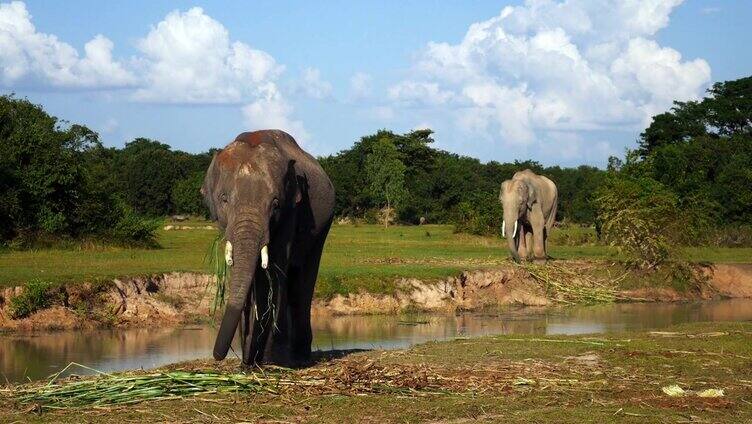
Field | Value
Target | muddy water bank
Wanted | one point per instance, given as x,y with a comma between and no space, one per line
186,298
39,354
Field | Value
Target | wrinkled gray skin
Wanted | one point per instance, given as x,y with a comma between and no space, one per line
530,200
263,189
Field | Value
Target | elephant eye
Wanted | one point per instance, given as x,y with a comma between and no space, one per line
275,203
223,197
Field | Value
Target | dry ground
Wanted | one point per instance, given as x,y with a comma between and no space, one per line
492,379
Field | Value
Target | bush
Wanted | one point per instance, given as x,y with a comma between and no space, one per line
728,236
186,196
133,229
37,295
481,217
637,216
573,235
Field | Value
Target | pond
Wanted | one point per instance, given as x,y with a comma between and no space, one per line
38,355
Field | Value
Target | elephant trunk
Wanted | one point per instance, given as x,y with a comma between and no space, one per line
511,236
244,257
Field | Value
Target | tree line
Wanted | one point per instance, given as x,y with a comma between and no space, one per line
57,180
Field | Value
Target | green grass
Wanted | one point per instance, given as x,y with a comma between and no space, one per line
516,379
367,257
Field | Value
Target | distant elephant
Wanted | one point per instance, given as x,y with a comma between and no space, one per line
274,203
529,201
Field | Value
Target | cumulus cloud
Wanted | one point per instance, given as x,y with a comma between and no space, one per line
360,85
548,66
188,58
273,112
312,85
427,92
31,57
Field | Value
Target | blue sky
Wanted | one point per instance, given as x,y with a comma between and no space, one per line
560,82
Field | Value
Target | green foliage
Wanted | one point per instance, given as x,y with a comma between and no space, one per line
147,171
36,295
186,195
49,187
703,150
132,229
481,216
637,215
573,235
386,175
438,182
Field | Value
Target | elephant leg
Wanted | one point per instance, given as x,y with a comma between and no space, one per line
301,297
529,243
260,322
278,347
537,223
522,246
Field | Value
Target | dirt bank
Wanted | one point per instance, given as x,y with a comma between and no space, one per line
179,298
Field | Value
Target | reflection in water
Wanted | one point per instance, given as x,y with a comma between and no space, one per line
39,355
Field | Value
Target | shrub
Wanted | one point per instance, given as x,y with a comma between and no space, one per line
636,216
482,216
728,236
37,295
573,235
133,229
186,196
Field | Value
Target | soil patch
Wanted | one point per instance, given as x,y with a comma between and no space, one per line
181,298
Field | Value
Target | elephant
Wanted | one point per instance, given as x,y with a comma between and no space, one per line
275,205
530,201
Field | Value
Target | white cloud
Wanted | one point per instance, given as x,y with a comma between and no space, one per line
576,65
360,85
28,56
189,58
273,112
312,85
421,92
109,126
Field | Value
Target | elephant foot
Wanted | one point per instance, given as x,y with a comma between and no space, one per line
540,261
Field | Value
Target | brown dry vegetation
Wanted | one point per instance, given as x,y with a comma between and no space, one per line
493,379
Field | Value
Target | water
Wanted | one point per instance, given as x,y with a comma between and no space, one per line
38,355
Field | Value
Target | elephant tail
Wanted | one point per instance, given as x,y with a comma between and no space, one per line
554,208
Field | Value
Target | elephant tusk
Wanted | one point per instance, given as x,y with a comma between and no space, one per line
514,232
503,228
228,253
265,256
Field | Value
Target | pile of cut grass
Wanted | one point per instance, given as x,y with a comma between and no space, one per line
572,286
123,389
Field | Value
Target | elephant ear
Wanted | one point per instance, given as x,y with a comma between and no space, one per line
293,189
207,188
504,188
532,194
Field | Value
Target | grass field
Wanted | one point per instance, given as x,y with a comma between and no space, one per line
367,256
519,379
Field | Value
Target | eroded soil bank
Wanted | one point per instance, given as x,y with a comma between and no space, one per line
179,298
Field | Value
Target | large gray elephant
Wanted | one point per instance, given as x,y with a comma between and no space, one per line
529,201
274,203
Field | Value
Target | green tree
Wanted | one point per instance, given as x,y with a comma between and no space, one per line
386,174
186,196
47,188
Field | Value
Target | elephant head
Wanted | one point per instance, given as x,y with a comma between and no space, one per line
517,198
248,187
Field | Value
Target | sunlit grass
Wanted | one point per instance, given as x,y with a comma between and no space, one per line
366,257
